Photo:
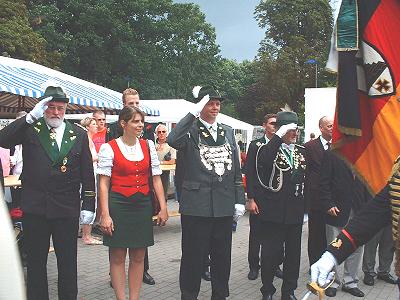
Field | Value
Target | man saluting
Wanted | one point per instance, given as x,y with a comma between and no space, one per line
57,162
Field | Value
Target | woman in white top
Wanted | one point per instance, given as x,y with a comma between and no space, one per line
90,125
125,166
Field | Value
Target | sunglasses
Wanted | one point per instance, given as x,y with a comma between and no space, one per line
161,131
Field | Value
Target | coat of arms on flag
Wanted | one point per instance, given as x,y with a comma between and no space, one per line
365,54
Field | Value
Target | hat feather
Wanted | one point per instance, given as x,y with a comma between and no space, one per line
196,91
286,108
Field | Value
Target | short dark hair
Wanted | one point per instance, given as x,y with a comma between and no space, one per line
267,117
128,112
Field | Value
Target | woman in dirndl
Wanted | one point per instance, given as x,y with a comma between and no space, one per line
124,167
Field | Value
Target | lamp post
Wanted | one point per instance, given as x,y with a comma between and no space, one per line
314,62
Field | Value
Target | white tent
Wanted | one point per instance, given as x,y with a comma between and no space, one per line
319,102
172,110
22,82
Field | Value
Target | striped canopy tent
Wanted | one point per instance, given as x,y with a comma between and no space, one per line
22,82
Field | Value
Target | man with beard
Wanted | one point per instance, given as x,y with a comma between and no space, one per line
57,174
281,206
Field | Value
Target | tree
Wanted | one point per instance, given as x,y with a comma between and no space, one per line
18,39
296,31
162,48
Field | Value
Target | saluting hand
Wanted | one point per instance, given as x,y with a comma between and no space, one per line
38,111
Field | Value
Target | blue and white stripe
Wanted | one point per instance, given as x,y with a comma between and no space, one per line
29,79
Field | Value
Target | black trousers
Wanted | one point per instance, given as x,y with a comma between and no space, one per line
64,232
253,255
316,235
200,236
274,236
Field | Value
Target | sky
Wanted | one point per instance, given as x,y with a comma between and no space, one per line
238,34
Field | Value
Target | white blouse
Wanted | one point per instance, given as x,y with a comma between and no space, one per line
106,157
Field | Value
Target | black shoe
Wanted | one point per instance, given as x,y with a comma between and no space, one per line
288,297
369,279
356,292
147,279
206,276
253,274
267,297
279,272
387,278
330,292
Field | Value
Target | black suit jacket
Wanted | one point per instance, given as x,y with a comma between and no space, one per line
285,206
340,188
203,192
49,191
250,167
314,152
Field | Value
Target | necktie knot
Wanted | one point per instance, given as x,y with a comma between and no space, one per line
328,146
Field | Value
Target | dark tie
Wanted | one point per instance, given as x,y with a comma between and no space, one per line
328,146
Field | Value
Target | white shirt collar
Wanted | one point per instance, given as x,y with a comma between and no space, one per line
324,142
208,125
266,139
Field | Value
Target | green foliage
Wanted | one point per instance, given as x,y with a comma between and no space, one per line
296,31
17,38
160,48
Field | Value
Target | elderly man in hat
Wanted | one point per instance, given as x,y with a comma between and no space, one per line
57,163
211,193
281,205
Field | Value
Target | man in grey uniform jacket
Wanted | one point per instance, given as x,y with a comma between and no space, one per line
212,192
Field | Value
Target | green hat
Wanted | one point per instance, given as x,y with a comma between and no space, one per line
199,92
56,92
286,117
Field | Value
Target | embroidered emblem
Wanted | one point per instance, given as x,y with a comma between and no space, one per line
73,137
71,131
205,134
37,129
337,243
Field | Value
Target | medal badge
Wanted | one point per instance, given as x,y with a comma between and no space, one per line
63,168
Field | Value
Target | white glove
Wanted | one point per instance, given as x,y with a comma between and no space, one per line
321,271
285,128
240,209
86,217
38,111
198,107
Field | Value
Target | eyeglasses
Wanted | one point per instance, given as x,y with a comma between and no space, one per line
53,108
161,131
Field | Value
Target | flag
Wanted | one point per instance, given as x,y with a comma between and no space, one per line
365,53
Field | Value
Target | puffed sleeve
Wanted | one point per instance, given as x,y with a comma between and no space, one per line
105,162
155,163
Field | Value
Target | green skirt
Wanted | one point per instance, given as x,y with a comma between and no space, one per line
132,217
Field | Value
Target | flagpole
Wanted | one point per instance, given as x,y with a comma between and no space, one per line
316,74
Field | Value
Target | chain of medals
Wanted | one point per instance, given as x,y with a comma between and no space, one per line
218,158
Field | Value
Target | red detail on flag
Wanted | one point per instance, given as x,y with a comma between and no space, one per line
381,32
350,238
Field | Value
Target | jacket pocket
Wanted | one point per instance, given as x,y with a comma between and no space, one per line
187,185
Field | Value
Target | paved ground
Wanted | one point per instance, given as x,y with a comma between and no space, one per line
164,266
